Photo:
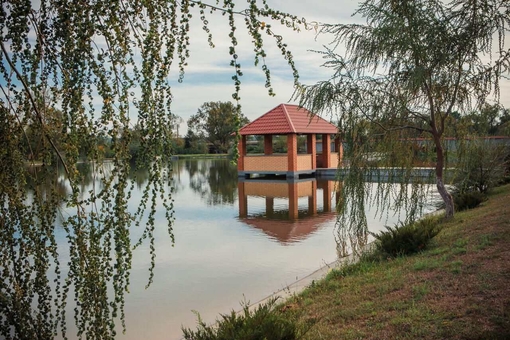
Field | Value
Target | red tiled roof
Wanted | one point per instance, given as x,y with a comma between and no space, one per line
285,119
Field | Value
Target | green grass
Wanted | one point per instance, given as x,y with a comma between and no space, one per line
484,242
434,294
427,264
455,266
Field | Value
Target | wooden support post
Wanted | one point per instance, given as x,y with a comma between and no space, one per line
291,154
312,200
269,206
339,149
326,151
243,200
340,152
268,145
326,196
311,146
241,147
293,201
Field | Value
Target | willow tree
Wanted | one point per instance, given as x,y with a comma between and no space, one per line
105,66
402,74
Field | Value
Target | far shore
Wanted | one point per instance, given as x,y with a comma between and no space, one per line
201,156
174,157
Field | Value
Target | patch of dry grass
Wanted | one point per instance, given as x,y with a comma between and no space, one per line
458,289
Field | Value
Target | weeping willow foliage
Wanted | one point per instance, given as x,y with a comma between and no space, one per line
396,79
75,73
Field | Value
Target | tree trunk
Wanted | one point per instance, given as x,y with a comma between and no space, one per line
445,195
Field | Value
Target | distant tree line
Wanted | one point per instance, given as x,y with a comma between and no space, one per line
210,130
492,120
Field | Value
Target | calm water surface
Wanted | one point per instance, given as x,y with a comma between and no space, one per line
234,241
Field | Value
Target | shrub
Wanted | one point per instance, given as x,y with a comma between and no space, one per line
468,200
406,238
464,200
484,165
263,323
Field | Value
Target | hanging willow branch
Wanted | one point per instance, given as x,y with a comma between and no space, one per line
76,74
404,73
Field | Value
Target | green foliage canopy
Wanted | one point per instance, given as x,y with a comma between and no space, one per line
216,123
491,120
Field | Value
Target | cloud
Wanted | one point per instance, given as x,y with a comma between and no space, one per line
254,97
209,74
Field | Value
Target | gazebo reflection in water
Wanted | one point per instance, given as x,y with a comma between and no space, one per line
289,222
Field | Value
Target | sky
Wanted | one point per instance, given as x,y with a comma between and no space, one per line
208,77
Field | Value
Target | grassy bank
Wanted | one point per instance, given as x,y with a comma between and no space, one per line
457,289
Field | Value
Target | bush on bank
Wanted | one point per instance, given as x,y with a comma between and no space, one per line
404,239
262,323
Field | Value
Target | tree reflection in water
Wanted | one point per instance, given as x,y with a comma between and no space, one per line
48,182
217,184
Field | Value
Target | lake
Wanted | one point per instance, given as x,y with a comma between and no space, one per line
235,240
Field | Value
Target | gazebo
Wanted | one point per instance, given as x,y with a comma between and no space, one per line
318,152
